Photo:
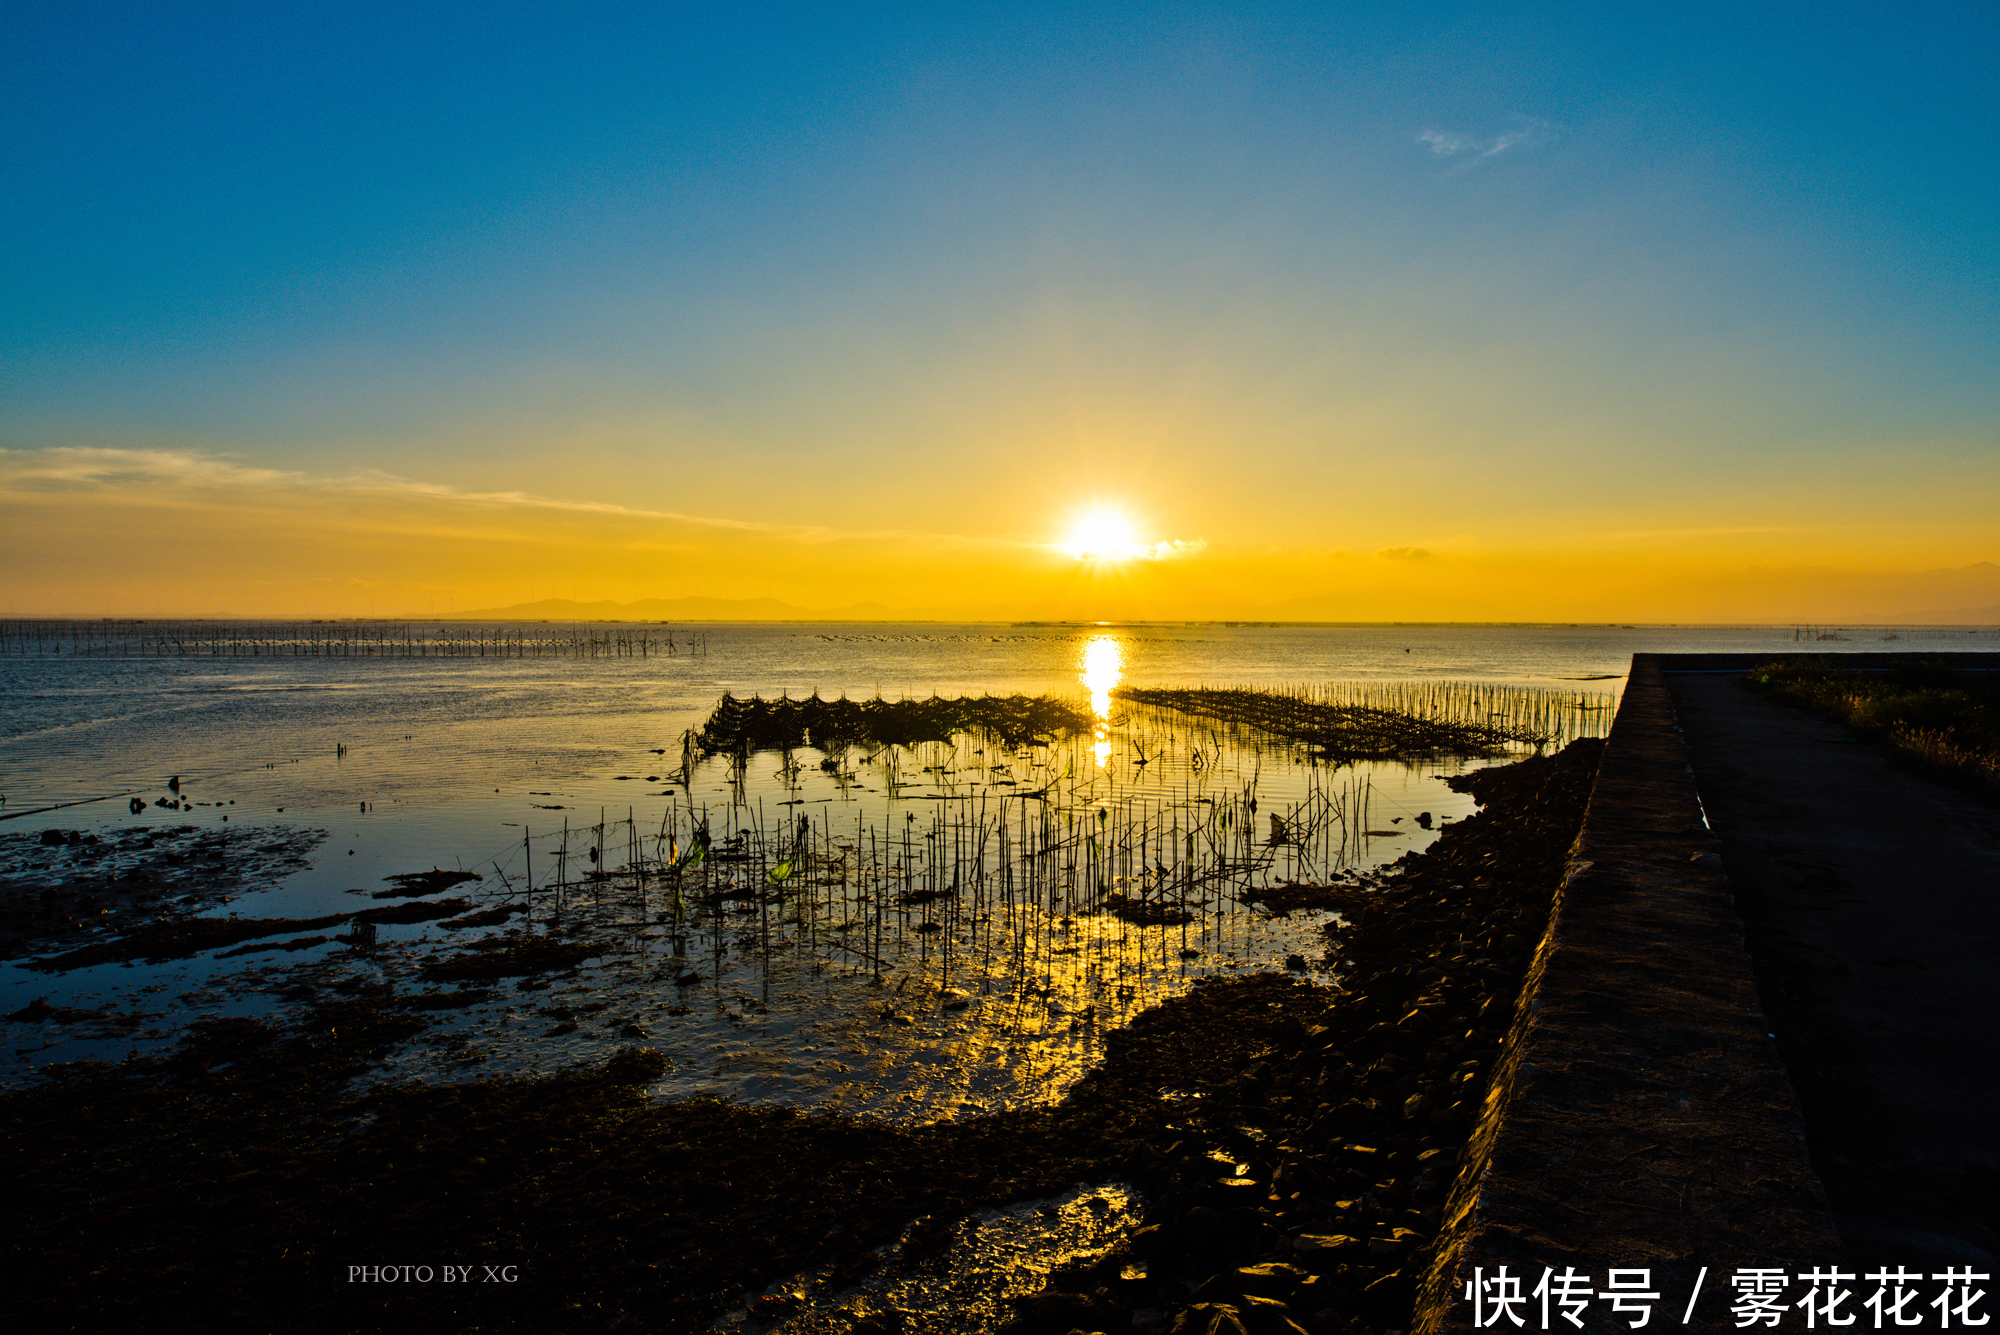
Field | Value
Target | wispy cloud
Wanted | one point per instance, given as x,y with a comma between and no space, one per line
76,468
1445,144
1168,550
1467,151
1164,551
163,476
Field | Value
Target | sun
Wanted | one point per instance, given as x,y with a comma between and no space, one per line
1103,535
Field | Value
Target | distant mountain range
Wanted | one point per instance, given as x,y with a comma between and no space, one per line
671,609
1835,599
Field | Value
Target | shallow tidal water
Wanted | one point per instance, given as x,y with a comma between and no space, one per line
909,932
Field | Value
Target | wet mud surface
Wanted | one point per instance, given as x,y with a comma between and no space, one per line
61,888
1292,1143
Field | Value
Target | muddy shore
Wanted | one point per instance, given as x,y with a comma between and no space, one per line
61,888
1295,1144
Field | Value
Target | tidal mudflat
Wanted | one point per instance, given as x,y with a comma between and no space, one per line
1291,1140
810,986
910,910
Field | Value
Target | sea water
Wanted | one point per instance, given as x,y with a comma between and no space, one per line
560,780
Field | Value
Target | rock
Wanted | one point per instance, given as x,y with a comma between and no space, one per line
1208,1319
1260,1311
1057,1308
1296,963
1216,1289
636,1066
1323,1244
889,1321
1203,1230
774,1305
1271,1279
1398,1240
1216,1319
1248,1225
1416,1106
34,1012
1388,1297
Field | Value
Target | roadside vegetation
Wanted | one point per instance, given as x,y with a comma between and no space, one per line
1942,719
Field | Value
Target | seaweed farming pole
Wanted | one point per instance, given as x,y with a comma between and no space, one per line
762,885
562,867
881,888
635,859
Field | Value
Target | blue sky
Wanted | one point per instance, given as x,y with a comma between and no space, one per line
951,274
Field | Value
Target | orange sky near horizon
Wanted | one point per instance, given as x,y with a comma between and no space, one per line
199,535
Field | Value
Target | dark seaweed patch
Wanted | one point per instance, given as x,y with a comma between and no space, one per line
776,725
409,913
410,884
179,940
511,960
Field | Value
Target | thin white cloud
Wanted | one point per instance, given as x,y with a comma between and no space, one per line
1166,551
160,474
1443,143
71,467
1469,151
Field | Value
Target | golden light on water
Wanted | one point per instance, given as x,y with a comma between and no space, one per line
1101,668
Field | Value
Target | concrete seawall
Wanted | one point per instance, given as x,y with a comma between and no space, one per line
1639,1115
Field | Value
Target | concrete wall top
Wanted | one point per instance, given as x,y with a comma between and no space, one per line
1639,1115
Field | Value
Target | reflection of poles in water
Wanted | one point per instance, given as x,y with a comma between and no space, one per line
1152,836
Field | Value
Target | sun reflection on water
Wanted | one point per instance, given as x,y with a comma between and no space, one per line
1102,667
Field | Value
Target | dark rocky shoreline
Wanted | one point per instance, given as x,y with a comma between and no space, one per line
1296,1144
1306,1188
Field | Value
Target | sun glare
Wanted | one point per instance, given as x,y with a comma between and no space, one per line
1103,535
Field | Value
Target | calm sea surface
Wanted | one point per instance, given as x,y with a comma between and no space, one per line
944,946
430,730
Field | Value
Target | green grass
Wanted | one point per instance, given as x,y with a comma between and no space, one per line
1945,721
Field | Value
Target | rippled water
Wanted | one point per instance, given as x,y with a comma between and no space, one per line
831,987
